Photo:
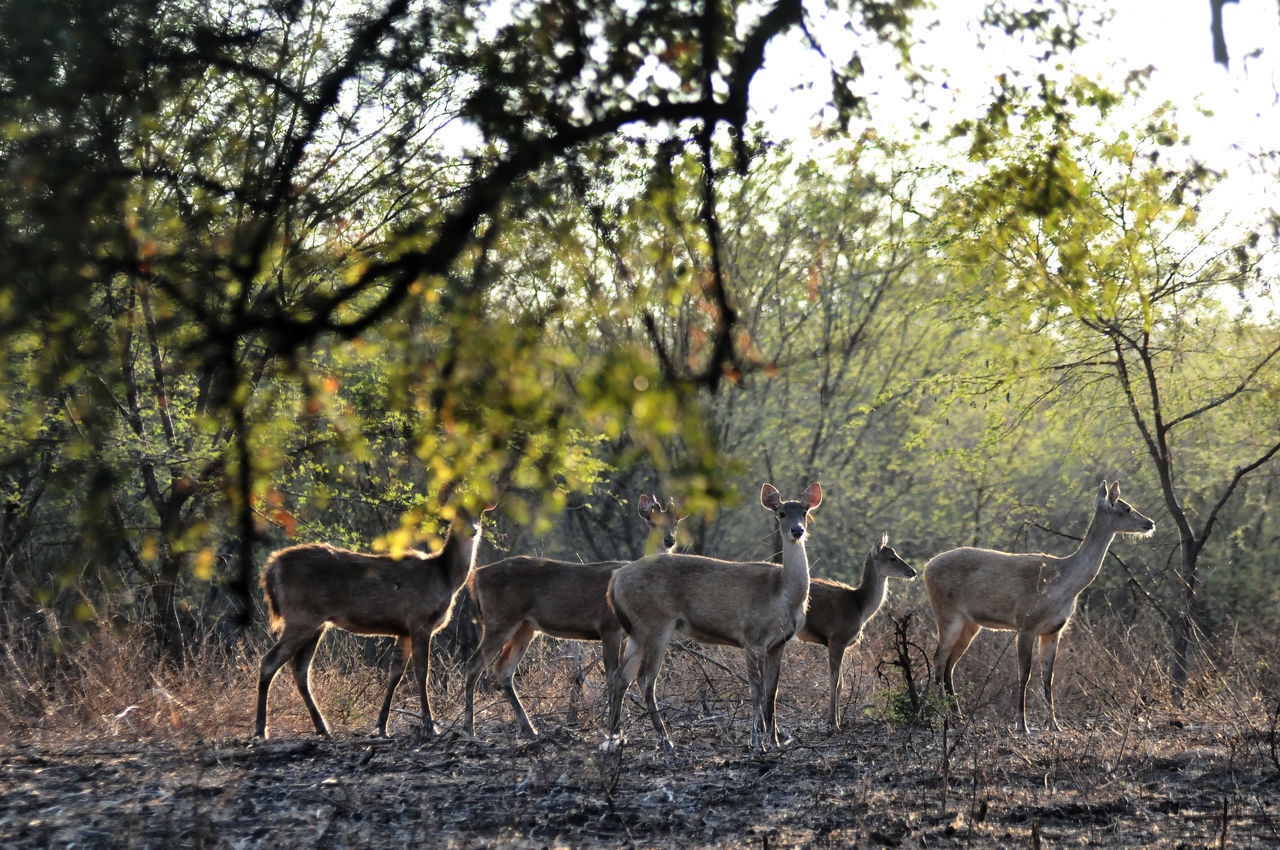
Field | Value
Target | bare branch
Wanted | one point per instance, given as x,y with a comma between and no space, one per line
1240,473
1228,396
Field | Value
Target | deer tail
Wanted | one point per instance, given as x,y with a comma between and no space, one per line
623,620
271,593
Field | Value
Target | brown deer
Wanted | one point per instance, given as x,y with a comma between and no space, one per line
838,612
752,605
521,596
311,587
1034,595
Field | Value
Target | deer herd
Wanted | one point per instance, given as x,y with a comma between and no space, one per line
634,609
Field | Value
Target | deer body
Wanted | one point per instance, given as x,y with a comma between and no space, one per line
311,587
752,605
837,612
971,589
519,597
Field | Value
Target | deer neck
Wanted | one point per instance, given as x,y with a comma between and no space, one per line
795,570
870,592
458,556
1081,567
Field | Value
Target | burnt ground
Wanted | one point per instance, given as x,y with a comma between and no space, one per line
165,760
1142,784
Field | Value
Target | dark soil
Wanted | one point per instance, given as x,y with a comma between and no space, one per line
1144,783
163,759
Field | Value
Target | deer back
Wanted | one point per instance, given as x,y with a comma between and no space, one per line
363,593
561,598
711,600
833,609
997,589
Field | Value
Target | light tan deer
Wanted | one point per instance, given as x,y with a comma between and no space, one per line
752,605
311,587
837,612
1034,595
521,596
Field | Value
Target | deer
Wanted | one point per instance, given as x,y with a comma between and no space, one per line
755,606
972,589
312,587
521,596
837,612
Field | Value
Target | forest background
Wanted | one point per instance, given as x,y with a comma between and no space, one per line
285,271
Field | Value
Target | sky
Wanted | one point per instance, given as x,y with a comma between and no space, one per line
1171,36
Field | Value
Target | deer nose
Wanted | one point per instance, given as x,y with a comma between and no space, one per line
669,540
797,531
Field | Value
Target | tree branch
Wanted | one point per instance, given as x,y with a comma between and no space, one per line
1226,397
1220,54
1241,472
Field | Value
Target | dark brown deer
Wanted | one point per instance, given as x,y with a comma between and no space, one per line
519,597
311,587
1034,595
837,612
752,605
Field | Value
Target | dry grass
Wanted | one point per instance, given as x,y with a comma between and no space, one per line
102,747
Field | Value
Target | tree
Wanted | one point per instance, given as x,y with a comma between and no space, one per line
1109,246
233,187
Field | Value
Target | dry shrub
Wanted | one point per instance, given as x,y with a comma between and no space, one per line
1107,672
1129,769
108,680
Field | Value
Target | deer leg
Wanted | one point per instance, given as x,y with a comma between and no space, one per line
960,645
756,676
835,659
479,660
949,632
512,652
1048,654
490,643
654,654
302,675
632,660
288,646
399,661
422,668
1026,653
611,655
772,672
271,663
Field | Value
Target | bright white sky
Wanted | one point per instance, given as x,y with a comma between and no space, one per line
1170,35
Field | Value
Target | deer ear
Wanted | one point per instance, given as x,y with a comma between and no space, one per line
884,540
678,507
1114,493
645,506
1102,490
813,495
769,497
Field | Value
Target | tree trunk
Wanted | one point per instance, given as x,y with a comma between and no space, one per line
168,630
1183,625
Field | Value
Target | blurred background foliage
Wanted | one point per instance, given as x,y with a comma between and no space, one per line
289,270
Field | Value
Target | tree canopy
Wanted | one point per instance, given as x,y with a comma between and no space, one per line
320,270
